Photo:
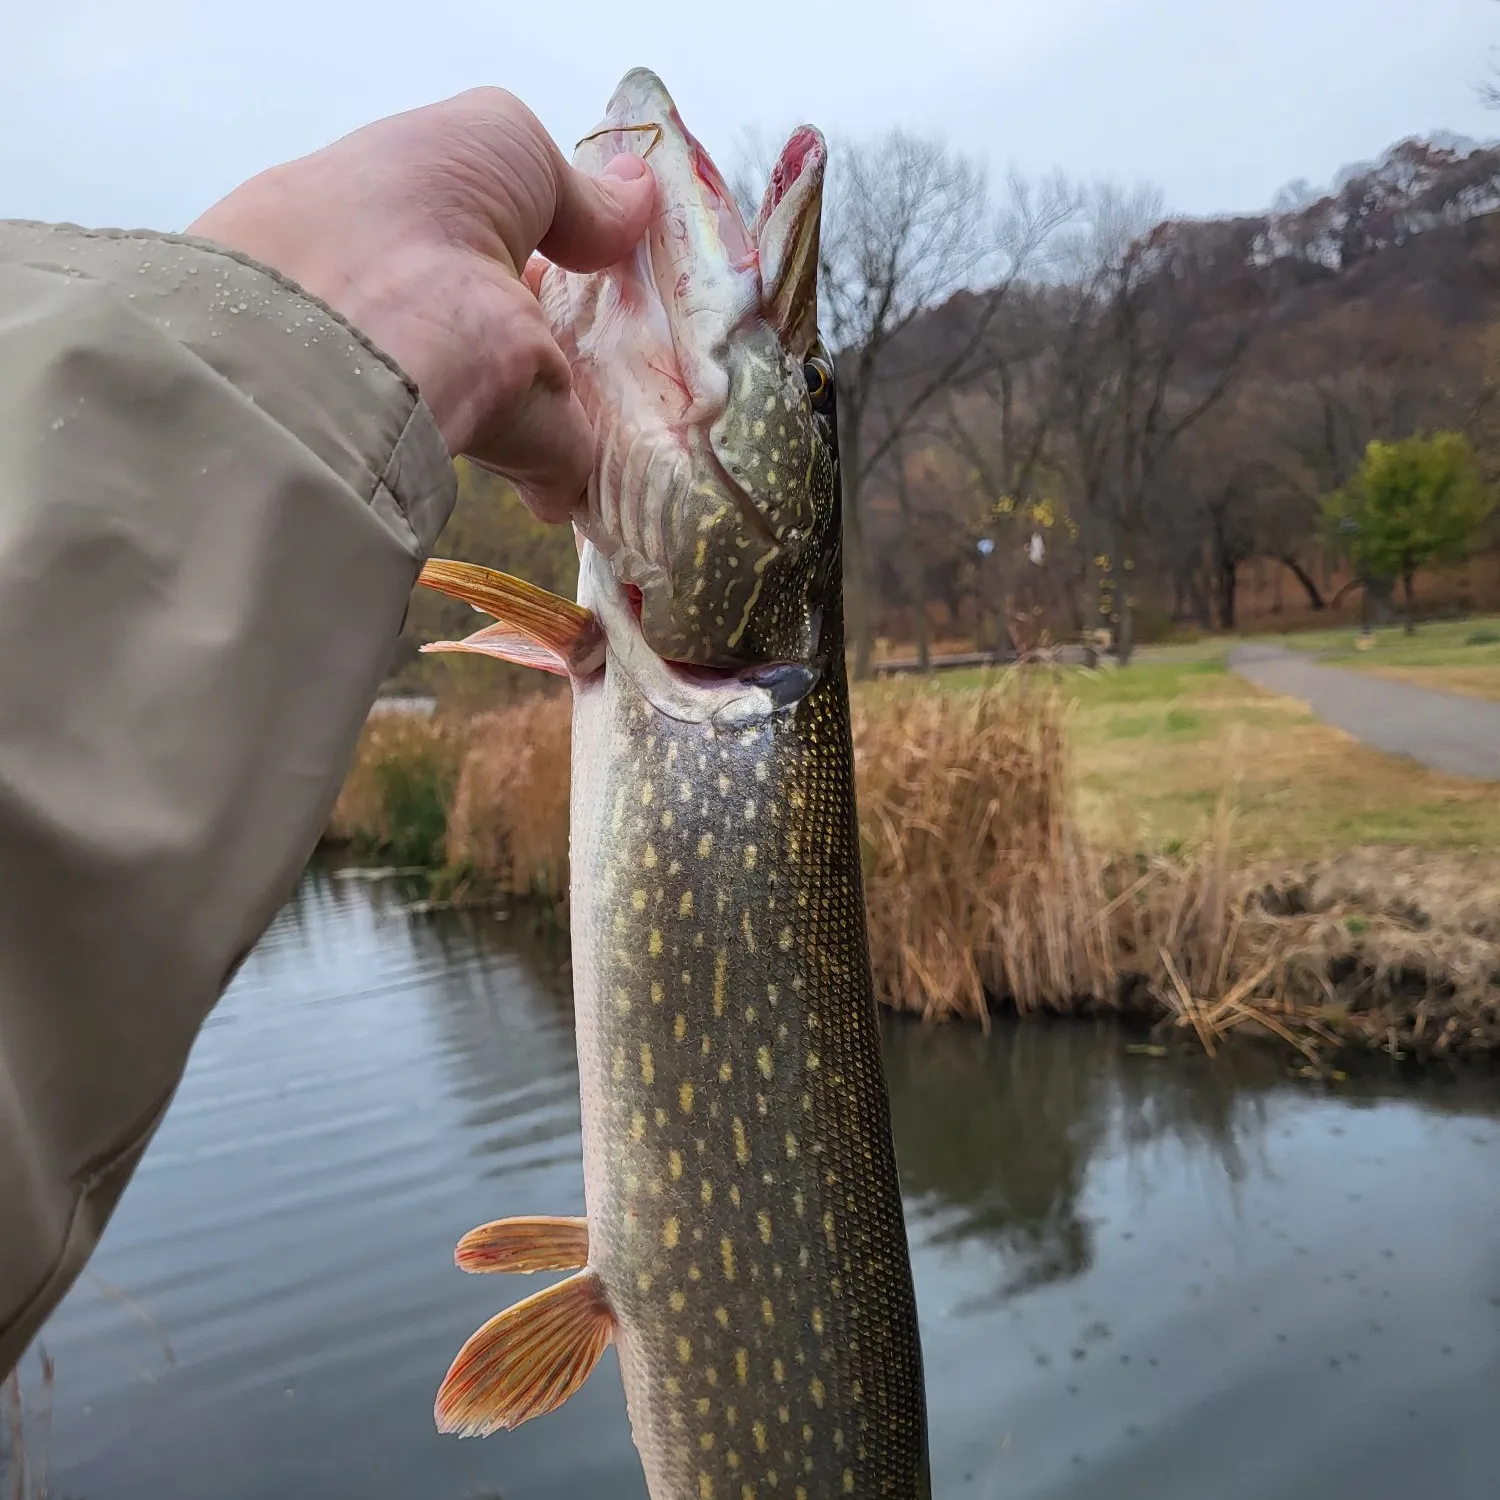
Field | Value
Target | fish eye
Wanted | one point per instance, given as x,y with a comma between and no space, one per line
819,383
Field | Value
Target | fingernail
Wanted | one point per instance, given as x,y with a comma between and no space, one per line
626,167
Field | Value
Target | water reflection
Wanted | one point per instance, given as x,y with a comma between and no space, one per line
1132,1272
996,1134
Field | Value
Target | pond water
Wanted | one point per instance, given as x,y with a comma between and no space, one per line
1137,1277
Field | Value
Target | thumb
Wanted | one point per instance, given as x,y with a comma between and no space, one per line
600,220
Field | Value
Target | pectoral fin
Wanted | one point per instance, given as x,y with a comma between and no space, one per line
536,1244
526,1361
535,628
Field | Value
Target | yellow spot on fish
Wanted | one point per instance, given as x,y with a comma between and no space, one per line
732,1458
734,1194
648,859
817,1319
622,999
638,900
672,753
619,1064
706,1192
783,1414
763,1061
791,1155
648,1067
674,1164
721,1316
705,1487
749,936
670,1231
726,1071
750,856
679,1027
677,1301
750,810
807,1432
667,818
721,967
685,906
741,1145
814,1062
658,994
778,1371
763,1224
848,1481
758,1429
829,1232
816,1387
637,1126
767,1312
685,1098
684,1349
694,1274
655,943
705,846
726,1253
705,1439
711,1375
647,793
643,1281
784,939
660,1114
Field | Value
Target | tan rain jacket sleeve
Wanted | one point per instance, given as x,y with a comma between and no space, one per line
214,500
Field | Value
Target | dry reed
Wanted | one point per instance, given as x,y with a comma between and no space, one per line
979,885
984,892
508,827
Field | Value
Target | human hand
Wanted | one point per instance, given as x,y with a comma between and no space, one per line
418,229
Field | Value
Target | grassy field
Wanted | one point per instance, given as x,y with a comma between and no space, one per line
1461,656
1156,745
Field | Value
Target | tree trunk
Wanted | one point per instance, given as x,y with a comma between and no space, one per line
1228,589
915,573
857,612
1315,598
1408,578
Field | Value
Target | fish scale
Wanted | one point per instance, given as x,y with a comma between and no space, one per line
744,1207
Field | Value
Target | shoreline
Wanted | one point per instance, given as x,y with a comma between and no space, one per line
1319,1042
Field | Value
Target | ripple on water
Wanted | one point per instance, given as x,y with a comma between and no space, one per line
1135,1276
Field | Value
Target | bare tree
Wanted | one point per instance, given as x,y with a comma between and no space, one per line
906,224
1160,320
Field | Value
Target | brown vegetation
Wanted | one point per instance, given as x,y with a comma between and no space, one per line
984,892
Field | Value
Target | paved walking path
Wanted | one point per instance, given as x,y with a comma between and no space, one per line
1441,730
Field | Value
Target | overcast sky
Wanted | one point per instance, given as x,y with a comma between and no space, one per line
141,112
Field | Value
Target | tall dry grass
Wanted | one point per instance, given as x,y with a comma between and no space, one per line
26,1434
979,884
508,823
983,890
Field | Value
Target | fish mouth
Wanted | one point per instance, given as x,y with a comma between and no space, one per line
669,347
685,691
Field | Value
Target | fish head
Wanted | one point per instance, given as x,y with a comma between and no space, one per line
715,491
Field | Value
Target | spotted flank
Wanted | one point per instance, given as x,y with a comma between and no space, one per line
743,1244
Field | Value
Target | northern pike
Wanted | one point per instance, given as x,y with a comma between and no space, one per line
744,1246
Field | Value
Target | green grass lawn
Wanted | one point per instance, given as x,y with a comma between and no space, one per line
1456,656
1157,743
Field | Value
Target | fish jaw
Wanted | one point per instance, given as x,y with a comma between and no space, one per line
713,477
